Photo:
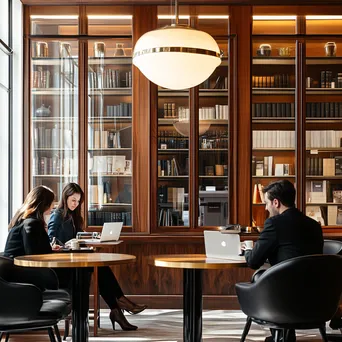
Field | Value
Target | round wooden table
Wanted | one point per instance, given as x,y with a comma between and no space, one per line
80,263
193,266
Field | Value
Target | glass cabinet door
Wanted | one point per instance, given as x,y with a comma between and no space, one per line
110,127
213,131
323,126
173,149
54,113
273,118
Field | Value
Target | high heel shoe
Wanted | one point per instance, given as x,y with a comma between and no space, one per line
132,308
116,315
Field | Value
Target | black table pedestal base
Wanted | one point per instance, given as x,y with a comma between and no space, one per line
192,305
80,304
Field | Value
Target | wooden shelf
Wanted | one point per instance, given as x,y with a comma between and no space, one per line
274,60
109,119
322,204
123,149
323,60
39,149
323,120
55,176
213,176
110,91
324,149
324,91
281,177
265,149
108,175
110,61
53,119
53,61
325,177
162,121
268,120
273,91
171,177
173,150
185,93
55,91
110,205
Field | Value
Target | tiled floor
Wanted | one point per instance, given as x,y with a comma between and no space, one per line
166,326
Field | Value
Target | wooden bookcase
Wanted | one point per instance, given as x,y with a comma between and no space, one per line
248,112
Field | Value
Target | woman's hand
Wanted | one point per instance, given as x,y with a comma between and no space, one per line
56,247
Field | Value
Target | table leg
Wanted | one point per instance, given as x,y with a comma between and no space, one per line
80,304
96,300
192,305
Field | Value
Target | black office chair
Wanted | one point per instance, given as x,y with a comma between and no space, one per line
45,280
282,298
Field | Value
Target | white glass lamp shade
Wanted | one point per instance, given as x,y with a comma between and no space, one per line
183,128
176,57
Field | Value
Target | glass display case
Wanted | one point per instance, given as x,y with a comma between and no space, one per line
273,110
54,113
323,126
110,157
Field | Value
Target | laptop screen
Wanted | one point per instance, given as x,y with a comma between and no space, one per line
222,246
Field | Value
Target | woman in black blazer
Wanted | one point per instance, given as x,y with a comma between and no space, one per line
28,236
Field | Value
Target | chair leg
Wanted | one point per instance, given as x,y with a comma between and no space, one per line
51,335
323,333
58,335
246,329
66,328
1,334
277,335
7,337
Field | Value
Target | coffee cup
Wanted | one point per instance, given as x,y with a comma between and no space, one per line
75,244
247,244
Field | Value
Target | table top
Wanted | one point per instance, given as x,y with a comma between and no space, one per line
195,261
74,260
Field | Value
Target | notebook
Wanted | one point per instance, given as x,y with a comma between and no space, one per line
222,246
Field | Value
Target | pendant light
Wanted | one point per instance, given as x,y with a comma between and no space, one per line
176,56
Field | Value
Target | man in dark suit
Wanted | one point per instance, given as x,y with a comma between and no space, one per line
288,233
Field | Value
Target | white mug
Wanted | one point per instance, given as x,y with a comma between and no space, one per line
75,244
248,244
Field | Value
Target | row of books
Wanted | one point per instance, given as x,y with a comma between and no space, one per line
168,167
98,218
326,79
323,191
221,82
318,166
169,217
169,110
273,139
273,110
122,109
219,112
174,195
265,167
331,215
276,81
172,140
55,165
103,139
56,137
109,165
324,110
214,139
324,139
109,78
258,195
60,79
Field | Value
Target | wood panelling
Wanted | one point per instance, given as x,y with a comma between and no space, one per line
145,20
242,134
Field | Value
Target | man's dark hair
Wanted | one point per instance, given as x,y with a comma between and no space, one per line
283,191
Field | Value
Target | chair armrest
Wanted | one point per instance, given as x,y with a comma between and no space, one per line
43,278
257,274
19,301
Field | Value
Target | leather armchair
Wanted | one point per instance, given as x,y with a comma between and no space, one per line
282,298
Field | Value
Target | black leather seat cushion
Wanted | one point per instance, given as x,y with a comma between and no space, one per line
28,325
60,294
54,309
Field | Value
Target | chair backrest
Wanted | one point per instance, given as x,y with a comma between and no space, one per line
301,290
332,247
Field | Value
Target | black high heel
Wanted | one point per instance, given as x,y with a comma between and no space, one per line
116,315
132,308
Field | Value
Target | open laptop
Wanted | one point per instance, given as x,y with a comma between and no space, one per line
110,233
222,246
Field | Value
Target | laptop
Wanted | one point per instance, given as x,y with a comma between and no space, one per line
222,246
110,233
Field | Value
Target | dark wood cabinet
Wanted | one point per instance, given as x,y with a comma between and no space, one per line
173,163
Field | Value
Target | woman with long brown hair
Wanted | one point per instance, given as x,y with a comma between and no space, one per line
64,224
27,233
